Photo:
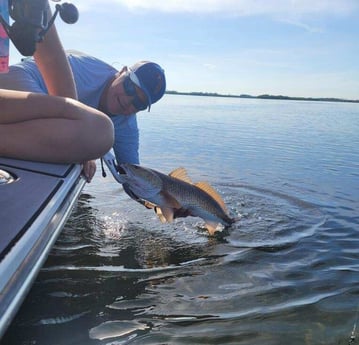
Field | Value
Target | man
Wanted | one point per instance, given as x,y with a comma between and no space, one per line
119,94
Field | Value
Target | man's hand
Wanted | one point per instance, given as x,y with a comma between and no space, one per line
88,170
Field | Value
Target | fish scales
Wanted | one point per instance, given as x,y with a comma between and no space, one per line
174,195
192,197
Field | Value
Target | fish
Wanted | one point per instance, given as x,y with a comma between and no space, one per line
175,195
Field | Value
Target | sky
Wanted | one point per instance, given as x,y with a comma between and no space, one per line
306,48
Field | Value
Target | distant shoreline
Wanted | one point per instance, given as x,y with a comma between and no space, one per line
280,97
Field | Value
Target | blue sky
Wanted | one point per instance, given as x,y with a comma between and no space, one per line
288,47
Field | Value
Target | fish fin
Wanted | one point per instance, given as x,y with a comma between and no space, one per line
211,227
180,174
169,200
160,215
167,214
213,193
148,204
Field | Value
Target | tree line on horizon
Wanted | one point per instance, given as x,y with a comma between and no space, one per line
265,96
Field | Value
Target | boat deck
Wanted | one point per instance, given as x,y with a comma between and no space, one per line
33,210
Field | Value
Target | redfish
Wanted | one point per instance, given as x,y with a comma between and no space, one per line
175,195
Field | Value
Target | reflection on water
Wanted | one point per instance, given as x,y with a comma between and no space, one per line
111,279
286,272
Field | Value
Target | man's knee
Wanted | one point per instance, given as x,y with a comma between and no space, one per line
100,135
106,134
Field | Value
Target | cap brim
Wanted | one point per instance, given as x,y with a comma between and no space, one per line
138,83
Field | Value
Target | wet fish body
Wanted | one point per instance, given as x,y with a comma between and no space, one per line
175,195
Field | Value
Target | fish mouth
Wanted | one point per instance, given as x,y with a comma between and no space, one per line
121,170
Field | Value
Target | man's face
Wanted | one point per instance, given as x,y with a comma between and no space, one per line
122,96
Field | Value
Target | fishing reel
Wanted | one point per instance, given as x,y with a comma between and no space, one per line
31,22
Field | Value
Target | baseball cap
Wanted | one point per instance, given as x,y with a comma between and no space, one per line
150,78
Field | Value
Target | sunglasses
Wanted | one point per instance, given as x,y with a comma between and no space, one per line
130,89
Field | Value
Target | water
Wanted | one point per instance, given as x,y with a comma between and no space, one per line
286,273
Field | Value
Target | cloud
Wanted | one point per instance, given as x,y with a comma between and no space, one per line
242,7
209,66
301,24
300,13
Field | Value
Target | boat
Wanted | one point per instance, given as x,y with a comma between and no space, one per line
36,200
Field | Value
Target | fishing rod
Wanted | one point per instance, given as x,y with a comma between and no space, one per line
31,22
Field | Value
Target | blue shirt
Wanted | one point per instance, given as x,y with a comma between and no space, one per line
91,77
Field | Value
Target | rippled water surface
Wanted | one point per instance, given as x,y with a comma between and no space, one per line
287,272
